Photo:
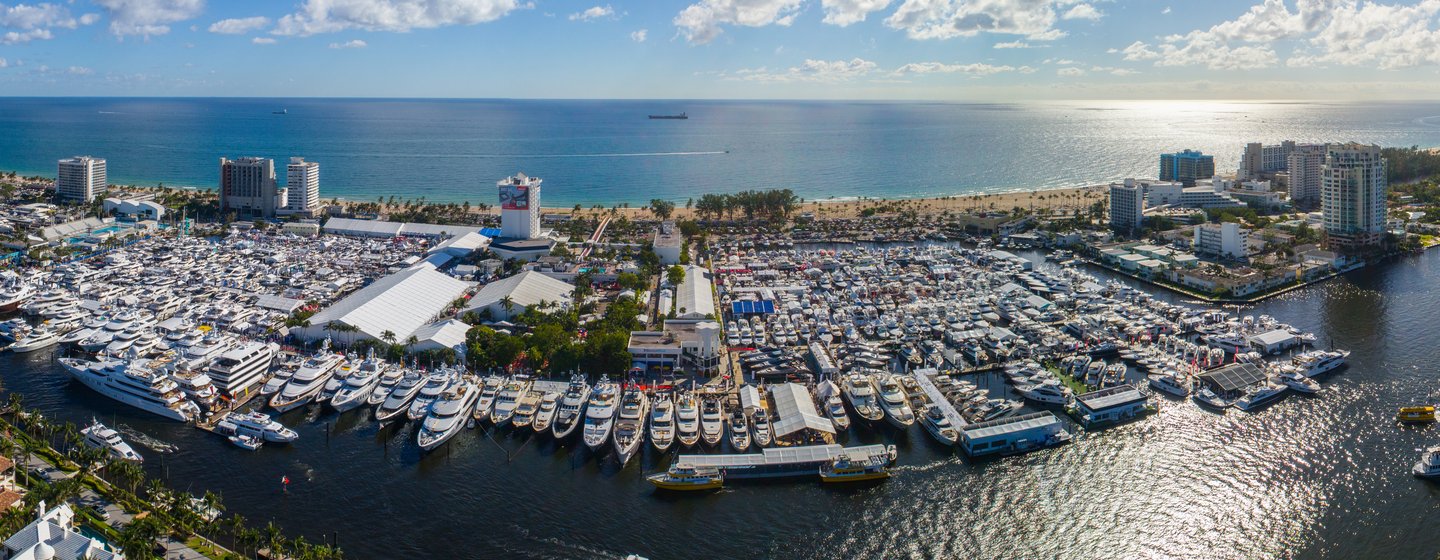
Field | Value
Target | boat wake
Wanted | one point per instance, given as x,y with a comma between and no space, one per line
139,437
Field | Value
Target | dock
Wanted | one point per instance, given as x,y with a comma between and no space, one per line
938,399
783,462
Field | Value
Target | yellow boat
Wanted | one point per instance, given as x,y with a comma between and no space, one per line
684,478
1416,414
842,469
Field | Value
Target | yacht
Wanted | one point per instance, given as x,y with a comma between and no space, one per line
1260,396
739,430
896,406
362,381
308,380
35,339
196,385
600,414
1169,383
835,409
14,293
99,436
687,420
436,385
136,382
524,416
859,390
245,365
1207,397
1316,362
545,415
1298,383
489,389
1045,393
572,407
760,425
938,426
508,400
662,423
1429,464
201,354
388,380
630,423
273,385
448,415
398,401
256,425
712,421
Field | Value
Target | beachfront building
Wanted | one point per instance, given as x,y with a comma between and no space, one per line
302,183
80,179
1176,195
1186,167
1263,161
1352,195
1305,166
53,535
1224,240
520,207
1127,206
508,297
248,188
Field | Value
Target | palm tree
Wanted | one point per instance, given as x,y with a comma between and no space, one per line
388,336
17,402
273,538
138,538
507,303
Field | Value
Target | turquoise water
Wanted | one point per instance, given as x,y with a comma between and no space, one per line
607,152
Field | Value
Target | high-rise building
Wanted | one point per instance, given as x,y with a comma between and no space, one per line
1262,161
302,183
520,207
1305,164
80,179
1186,166
1224,239
248,188
1127,206
1352,195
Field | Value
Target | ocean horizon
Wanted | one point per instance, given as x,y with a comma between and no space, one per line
608,152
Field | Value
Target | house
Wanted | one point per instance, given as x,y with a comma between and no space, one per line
54,536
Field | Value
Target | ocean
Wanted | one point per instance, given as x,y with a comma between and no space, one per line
608,152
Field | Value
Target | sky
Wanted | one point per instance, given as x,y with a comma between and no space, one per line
944,50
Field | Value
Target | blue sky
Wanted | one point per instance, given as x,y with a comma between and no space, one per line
809,49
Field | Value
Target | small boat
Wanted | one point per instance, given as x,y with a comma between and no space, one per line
1299,383
1416,414
247,442
1208,398
100,436
1261,396
843,469
280,112
681,116
1429,464
688,479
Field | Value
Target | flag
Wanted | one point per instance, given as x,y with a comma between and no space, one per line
285,480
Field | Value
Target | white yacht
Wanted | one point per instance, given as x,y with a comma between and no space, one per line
525,411
196,385
138,383
308,380
1316,362
572,408
545,414
362,381
761,428
1429,464
448,415
35,339
630,423
388,380
938,426
435,385
600,414
508,399
739,425
200,355
1298,383
14,293
1045,393
1169,383
662,423
835,409
245,365
489,390
712,421
859,391
398,401
895,404
687,420
1260,396
256,425
100,436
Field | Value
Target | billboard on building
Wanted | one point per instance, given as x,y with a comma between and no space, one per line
515,197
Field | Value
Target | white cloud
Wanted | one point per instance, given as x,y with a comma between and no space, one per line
263,41
1246,42
639,35
1165,11
946,19
351,44
977,69
594,13
846,12
79,71
1083,11
148,17
34,22
1015,45
239,26
328,16
1386,36
1071,71
701,23
823,71
1138,51
4,63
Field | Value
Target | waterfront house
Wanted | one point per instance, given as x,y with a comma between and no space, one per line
54,535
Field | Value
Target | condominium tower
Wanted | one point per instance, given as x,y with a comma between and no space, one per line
247,187
80,179
302,182
1352,195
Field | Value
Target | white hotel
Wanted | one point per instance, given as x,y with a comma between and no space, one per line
80,179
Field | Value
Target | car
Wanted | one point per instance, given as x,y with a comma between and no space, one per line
99,511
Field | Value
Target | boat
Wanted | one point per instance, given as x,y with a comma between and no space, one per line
273,385
280,112
760,425
572,407
739,431
630,423
100,436
249,443
1260,396
662,423
525,411
508,400
245,365
1208,398
1416,414
435,385
1298,383
309,379
1316,362
257,425
938,426
687,479
687,420
489,389
1169,383
712,421
356,389
388,380
859,391
845,469
197,386
681,116
448,415
137,382
1429,464
14,293
1045,393
35,339
600,414
545,414
835,409
398,401
895,403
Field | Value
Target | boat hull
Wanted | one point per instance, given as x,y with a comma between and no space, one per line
99,385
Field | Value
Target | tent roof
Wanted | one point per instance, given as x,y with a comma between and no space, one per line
796,411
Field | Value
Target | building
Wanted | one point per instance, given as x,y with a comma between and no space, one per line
796,418
689,345
695,297
248,188
1016,434
1127,206
80,179
133,209
668,242
1263,161
509,297
1186,167
390,309
1174,194
520,207
1352,195
1305,165
308,228
302,183
1224,240
1112,405
53,535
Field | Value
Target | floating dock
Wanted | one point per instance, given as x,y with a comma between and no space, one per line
785,461
1017,434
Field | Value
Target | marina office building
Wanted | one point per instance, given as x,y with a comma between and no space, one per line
248,188
80,179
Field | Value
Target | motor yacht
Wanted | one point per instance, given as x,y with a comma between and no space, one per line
859,391
397,402
545,414
630,423
938,426
448,415
435,385
1209,398
572,408
196,385
1317,362
388,380
34,339
363,380
687,420
137,382
309,379
1170,384
662,422
99,436
712,421
1260,396
525,411
1298,383
256,425
600,414
1046,393
1429,464
489,390
895,403
761,428
739,431
508,400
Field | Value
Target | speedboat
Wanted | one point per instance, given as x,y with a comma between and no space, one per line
938,426
687,420
363,380
1416,414
309,379
739,431
100,436
257,425
662,423
1260,396
630,423
572,408
600,414
248,443
1429,464
712,421
895,404
398,401
448,415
